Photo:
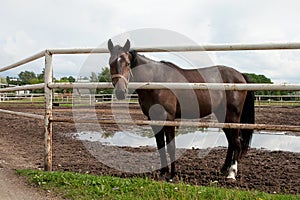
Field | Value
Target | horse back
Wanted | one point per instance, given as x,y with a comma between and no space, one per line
189,103
214,74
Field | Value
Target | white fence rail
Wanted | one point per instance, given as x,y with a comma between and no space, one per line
162,85
184,86
91,99
49,85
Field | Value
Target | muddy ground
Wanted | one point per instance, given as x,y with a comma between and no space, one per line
22,146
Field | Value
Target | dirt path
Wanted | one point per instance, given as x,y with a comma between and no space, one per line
12,186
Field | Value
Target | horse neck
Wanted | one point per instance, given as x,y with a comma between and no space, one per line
141,60
140,70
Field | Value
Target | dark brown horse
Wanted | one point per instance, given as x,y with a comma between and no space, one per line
167,104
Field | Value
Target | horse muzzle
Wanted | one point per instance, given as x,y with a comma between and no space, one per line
121,94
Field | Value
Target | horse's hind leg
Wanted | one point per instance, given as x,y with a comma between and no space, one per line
229,153
221,115
160,142
231,115
233,152
170,136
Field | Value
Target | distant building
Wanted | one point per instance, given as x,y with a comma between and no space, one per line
13,79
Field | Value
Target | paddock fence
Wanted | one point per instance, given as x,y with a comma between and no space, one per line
49,86
289,100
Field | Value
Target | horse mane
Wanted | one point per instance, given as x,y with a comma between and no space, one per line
134,55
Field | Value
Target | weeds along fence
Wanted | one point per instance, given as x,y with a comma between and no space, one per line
49,86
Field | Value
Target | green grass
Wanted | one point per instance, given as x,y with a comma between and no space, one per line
27,100
84,186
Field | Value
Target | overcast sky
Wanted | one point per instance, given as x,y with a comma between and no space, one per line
30,26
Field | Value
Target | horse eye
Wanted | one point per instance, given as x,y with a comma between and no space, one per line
128,64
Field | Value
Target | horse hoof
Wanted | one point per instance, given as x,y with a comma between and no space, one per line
232,172
231,176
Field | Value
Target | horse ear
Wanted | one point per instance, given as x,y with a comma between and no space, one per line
126,46
110,45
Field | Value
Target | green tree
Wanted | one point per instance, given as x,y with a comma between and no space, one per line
259,78
26,76
12,81
65,79
94,77
71,79
103,76
41,76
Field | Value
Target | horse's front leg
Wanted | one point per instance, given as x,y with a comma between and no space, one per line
160,142
170,136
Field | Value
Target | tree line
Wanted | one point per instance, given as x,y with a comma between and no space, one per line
29,77
259,78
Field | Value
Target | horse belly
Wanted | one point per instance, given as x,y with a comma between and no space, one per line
198,104
190,106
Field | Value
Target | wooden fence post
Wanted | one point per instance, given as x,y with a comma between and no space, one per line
48,112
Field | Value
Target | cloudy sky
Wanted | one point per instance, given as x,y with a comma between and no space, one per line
30,26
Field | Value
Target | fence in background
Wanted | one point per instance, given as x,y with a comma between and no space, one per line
49,85
91,99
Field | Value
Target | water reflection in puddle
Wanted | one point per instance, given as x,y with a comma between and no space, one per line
203,138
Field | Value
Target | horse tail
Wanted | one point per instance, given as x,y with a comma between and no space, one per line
248,117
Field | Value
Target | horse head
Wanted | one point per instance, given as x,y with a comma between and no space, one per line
120,68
